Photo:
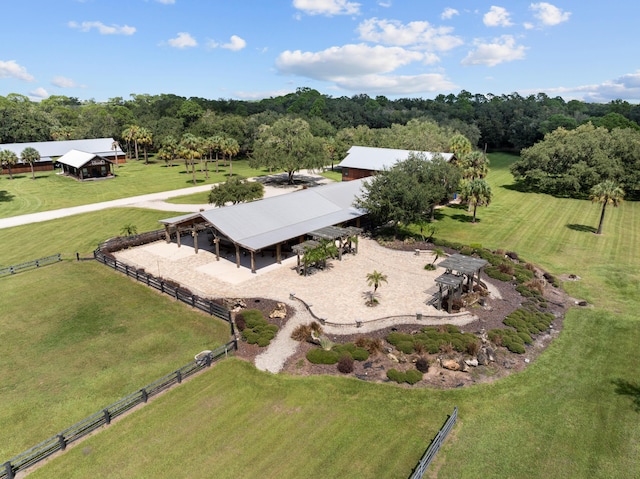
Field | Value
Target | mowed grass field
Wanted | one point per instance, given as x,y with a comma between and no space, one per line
76,337
573,413
50,191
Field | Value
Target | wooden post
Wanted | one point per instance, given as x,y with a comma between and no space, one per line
167,235
178,236
279,253
339,248
217,243
237,255
194,233
450,299
253,262
298,265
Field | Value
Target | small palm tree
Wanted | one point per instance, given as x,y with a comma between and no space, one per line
30,155
437,253
607,193
374,279
129,229
8,158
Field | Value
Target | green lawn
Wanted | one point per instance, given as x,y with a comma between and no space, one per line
50,191
573,413
76,337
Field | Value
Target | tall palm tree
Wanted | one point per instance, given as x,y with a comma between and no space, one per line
230,148
608,193
131,135
190,150
30,155
374,279
215,143
144,138
114,147
8,158
476,192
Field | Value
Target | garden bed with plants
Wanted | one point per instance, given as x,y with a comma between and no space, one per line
510,332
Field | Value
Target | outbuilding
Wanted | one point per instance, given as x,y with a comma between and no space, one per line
85,166
364,161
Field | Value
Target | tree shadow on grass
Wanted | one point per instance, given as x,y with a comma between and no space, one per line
581,228
626,388
464,218
5,196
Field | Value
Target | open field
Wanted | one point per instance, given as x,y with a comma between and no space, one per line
76,337
51,191
571,414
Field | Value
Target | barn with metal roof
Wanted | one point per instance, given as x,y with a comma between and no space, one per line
274,223
364,161
85,166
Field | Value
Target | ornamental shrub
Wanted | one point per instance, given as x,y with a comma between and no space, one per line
411,376
495,273
359,354
422,365
345,364
257,330
322,356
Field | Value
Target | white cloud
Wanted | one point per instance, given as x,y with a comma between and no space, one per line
385,4
102,28
166,2
63,82
497,17
39,93
10,69
503,49
420,34
327,7
449,13
183,40
626,87
397,84
235,43
346,61
549,15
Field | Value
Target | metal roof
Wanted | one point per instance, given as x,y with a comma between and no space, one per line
378,159
48,149
449,279
266,222
78,159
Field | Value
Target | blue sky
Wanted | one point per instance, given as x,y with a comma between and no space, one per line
252,49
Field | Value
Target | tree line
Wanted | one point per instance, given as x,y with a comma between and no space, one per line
497,122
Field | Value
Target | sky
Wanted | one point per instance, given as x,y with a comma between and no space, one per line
253,49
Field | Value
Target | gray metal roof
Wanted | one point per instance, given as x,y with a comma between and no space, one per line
78,159
266,222
48,149
378,159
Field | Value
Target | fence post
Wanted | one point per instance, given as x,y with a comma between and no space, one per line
107,416
37,263
8,469
62,442
145,395
233,329
179,376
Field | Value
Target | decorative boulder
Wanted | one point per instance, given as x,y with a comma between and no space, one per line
472,362
393,357
451,364
279,312
483,360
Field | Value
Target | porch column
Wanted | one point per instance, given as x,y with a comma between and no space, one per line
449,299
194,233
167,235
178,236
279,253
253,262
216,241
298,265
237,255
339,248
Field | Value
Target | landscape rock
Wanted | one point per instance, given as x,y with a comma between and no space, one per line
483,360
451,364
279,312
393,357
472,362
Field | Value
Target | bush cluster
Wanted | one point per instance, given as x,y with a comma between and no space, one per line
373,345
527,321
507,338
432,339
411,376
303,332
257,330
422,365
333,355
345,364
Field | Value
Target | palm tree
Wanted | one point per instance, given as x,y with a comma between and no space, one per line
374,279
215,143
459,145
144,138
114,147
608,193
131,135
437,253
30,155
8,158
476,192
230,148
190,150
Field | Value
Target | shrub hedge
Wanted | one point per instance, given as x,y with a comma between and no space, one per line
431,339
411,376
332,356
257,330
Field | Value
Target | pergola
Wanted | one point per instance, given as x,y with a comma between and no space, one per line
346,237
457,267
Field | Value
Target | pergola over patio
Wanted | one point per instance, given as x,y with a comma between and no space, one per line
344,237
457,266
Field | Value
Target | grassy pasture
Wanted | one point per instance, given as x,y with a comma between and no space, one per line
573,413
50,191
76,337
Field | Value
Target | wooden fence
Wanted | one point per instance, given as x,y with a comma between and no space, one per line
36,263
170,288
60,441
434,447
